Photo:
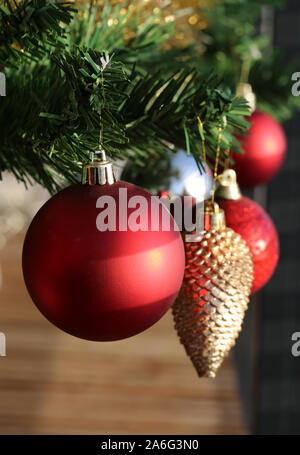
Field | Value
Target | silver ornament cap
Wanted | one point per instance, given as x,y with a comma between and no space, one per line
99,170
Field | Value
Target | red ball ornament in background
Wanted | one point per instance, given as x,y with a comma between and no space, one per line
264,151
100,286
249,219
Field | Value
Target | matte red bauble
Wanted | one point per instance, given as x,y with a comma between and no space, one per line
264,151
249,219
101,285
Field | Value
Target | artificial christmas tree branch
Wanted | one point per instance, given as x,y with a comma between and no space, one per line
223,35
232,44
28,26
51,114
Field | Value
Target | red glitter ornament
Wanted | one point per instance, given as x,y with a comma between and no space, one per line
264,151
249,219
95,285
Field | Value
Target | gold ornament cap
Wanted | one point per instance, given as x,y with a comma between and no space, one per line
98,171
245,90
214,217
228,187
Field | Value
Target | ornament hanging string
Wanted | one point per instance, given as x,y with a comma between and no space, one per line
202,139
201,131
216,164
226,166
101,120
245,70
104,62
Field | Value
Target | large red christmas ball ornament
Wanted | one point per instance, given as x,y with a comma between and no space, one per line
95,285
249,219
264,151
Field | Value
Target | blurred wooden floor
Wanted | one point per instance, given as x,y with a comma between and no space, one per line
52,383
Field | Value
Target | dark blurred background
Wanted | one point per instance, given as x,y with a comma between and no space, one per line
268,371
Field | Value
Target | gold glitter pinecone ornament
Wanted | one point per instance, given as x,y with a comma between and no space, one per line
211,305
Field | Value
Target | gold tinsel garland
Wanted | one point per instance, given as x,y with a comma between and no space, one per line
186,13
